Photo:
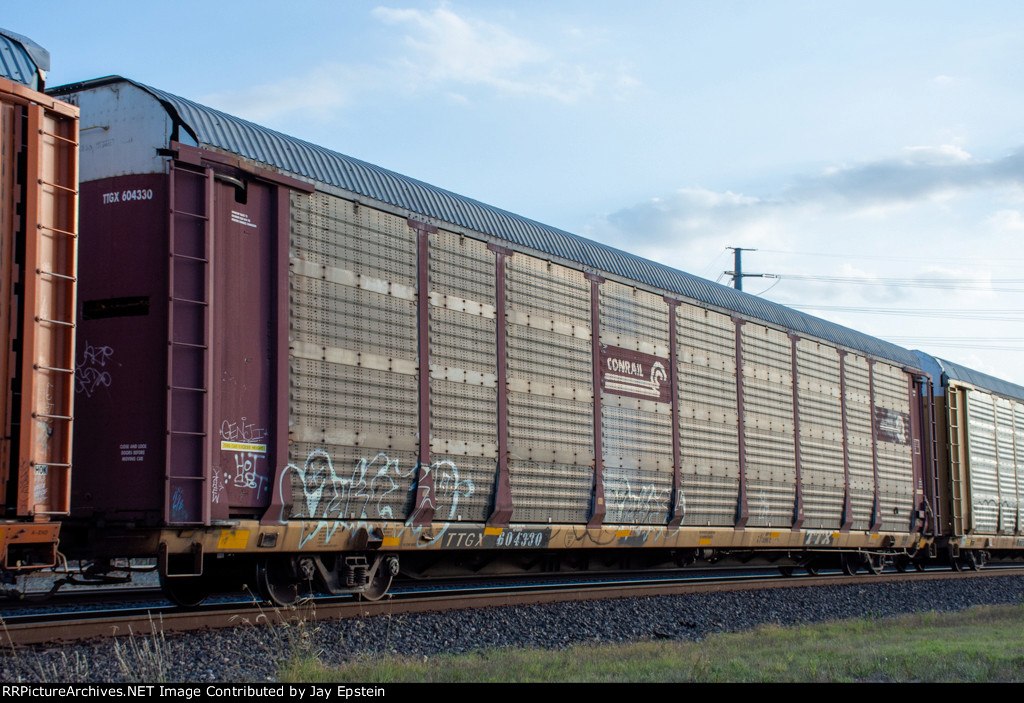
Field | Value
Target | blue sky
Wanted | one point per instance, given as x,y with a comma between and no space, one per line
872,152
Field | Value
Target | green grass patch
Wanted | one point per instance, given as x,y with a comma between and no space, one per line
980,644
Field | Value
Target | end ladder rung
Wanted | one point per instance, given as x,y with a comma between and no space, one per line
73,191
56,322
186,388
190,214
72,142
186,344
189,257
45,463
58,231
189,434
52,417
37,367
56,275
188,300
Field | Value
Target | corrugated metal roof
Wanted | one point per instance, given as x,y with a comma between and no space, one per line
981,380
21,59
216,129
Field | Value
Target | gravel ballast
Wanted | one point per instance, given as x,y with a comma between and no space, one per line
250,653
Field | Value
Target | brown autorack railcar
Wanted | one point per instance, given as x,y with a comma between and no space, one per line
298,367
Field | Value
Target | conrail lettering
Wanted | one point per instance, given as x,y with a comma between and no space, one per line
633,368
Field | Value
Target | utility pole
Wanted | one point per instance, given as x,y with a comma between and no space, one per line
737,274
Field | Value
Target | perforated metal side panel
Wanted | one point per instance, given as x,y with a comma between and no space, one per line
636,435
708,421
858,441
1005,458
1018,453
551,423
895,447
353,366
983,466
821,434
463,374
768,424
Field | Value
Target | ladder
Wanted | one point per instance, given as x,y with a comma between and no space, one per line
189,362
955,453
48,308
928,398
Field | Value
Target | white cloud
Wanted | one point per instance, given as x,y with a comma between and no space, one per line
440,51
448,48
317,95
1010,221
921,175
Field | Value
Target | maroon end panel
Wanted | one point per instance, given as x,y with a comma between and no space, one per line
599,507
121,350
876,517
503,505
248,340
798,507
847,519
675,517
244,350
423,510
742,509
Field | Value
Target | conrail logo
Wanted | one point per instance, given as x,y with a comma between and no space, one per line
632,373
622,366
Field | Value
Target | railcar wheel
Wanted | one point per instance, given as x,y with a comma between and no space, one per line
185,591
851,563
387,569
787,571
275,583
812,569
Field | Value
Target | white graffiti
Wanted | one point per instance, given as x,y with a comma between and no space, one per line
628,508
370,490
216,487
242,432
91,373
241,438
764,511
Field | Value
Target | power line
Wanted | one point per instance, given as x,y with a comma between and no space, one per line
991,344
984,314
916,259
995,285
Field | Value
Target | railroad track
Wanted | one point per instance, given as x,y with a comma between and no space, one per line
160,616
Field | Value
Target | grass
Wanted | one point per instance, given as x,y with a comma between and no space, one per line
978,645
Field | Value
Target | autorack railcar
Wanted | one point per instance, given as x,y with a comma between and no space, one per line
301,367
980,424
